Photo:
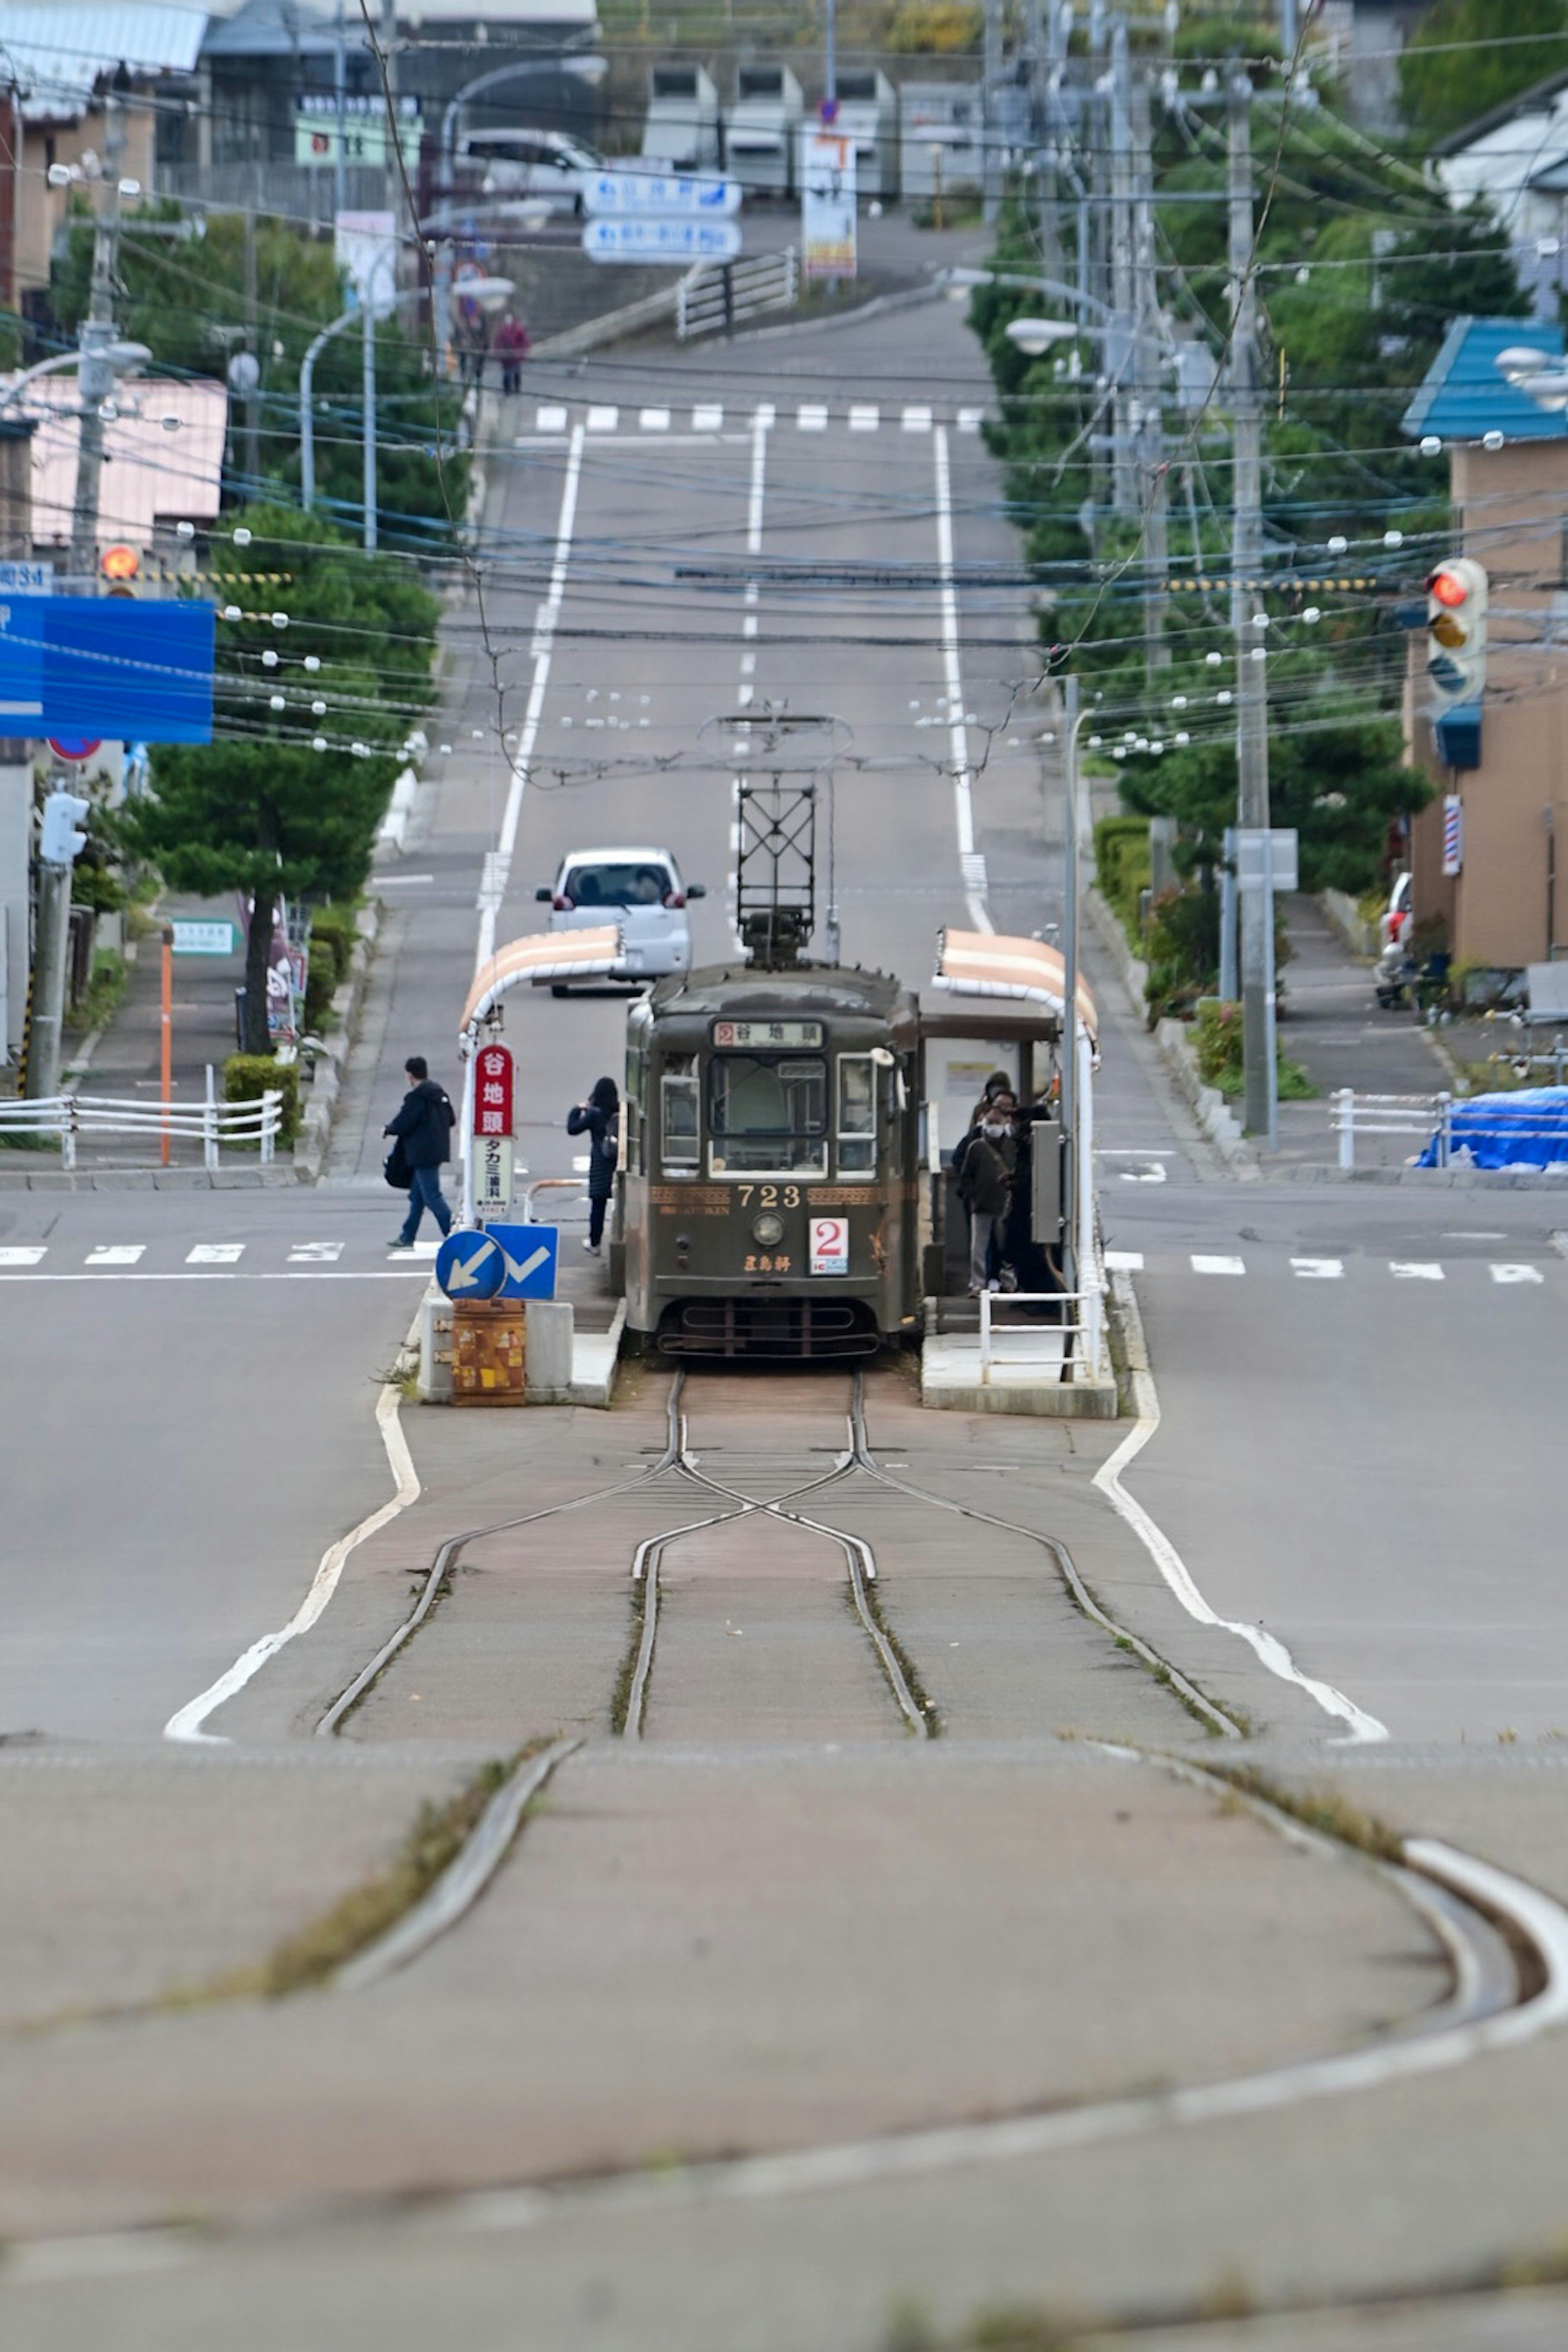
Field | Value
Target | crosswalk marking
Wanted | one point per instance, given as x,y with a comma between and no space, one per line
707,420
551,420
971,419
1414,1270
1124,1261
216,1253
1219,1265
118,1254
917,420
21,1253
1516,1273
602,420
653,420
315,1253
865,419
1317,1269
811,416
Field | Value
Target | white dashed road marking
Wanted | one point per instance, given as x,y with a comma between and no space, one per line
707,420
122,1254
1317,1269
653,420
917,420
602,420
865,419
17,1255
551,420
1124,1261
1516,1273
216,1253
1219,1265
1414,1270
315,1253
811,416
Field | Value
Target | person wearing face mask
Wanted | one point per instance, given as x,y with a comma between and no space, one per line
986,1187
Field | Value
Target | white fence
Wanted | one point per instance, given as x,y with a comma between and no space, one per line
711,302
1430,1120
1073,1346
67,1119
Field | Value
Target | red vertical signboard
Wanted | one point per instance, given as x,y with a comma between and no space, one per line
492,1092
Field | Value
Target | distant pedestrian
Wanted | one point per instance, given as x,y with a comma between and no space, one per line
473,341
512,350
599,1119
423,1125
986,1187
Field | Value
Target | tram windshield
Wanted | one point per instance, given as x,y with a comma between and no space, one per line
768,1117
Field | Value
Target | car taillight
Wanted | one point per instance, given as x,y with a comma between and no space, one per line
563,905
675,897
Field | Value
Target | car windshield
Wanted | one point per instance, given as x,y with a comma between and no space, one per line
606,884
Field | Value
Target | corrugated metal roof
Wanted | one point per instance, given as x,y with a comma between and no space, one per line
58,52
1463,395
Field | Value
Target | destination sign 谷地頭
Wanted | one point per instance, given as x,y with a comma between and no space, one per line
755,1036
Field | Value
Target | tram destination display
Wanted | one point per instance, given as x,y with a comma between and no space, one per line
750,1035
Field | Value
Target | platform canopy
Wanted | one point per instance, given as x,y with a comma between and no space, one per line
989,963
595,954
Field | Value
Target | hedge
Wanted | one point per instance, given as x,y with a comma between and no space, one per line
1122,859
247,1077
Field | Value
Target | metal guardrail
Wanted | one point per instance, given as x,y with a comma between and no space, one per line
1352,1115
69,1117
1074,1348
548,1184
711,302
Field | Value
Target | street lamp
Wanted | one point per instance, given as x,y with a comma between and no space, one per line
1035,337
483,289
1541,376
119,357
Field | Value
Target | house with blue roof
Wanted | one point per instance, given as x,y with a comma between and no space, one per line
1494,402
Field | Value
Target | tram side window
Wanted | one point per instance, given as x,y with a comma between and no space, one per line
678,1107
769,1115
856,1114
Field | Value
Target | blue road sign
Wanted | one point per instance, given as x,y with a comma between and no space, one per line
530,1253
654,238
111,666
661,192
470,1265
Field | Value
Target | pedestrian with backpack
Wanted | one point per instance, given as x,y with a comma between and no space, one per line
422,1131
599,1119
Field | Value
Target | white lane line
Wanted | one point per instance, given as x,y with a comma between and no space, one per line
1317,1269
1516,1273
1219,1265
498,863
811,416
216,1253
18,1255
186,1725
653,420
749,626
315,1253
1124,1261
962,793
1414,1270
1272,1652
551,420
864,417
707,420
120,1253
748,664
602,420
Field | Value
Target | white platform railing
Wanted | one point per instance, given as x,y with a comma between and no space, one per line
1072,1346
68,1119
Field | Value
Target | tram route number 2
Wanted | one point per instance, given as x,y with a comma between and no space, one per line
830,1245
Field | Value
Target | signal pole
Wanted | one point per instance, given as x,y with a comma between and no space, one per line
95,377
1245,605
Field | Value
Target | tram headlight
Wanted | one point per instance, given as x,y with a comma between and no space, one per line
768,1229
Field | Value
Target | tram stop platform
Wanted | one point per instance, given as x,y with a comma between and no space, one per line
1011,1355
572,1344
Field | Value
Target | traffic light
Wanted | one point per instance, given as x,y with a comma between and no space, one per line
1457,600
120,565
62,844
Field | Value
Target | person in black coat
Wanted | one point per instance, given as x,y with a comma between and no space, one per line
599,1119
423,1122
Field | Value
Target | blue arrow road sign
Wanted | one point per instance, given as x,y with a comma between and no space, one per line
652,238
90,666
470,1265
663,193
530,1253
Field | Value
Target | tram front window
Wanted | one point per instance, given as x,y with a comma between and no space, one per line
768,1118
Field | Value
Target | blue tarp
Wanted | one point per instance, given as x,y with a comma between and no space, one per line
1526,1129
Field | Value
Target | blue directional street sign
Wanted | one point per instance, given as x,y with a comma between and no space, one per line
531,1254
95,666
664,192
653,238
470,1265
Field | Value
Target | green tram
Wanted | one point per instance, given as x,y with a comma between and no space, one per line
785,1182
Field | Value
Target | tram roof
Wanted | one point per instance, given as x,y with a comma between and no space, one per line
721,990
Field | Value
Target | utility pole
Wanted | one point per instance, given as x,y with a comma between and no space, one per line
1118,346
1148,366
1047,34
1071,1173
829,53
1246,607
990,160
252,343
340,91
95,377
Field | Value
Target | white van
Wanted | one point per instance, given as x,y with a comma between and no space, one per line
640,889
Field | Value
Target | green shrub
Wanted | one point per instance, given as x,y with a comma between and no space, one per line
1217,1036
247,1077
1123,868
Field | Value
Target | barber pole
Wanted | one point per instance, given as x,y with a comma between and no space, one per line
1453,833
